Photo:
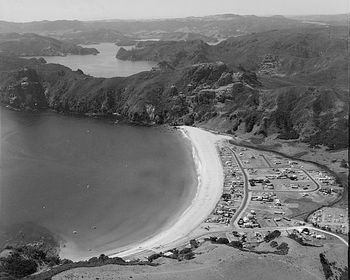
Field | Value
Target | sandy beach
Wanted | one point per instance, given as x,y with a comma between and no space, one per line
209,190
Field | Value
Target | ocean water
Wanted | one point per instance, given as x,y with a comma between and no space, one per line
104,64
95,185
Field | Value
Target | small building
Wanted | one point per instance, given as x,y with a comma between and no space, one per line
278,202
168,254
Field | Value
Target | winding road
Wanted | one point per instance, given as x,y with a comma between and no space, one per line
237,215
247,197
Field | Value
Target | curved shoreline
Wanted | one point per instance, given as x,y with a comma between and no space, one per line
209,190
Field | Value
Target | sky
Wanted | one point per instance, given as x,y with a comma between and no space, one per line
32,10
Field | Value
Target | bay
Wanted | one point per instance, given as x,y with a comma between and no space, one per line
95,185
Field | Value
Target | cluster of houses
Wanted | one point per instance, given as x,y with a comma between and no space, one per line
274,202
265,196
263,182
324,178
327,191
233,191
332,220
285,162
285,173
249,221
305,231
329,185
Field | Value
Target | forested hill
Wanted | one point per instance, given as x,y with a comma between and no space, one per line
215,25
315,56
35,45
292,84
211,94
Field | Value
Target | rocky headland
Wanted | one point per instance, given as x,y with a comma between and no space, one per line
293,86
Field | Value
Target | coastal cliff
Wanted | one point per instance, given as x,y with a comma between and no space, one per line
208,94
291,84
22,89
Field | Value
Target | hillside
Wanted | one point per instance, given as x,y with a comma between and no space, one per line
94,36
187,36
202,94
178,53
311,56
121,39
290,84
35,45
219,26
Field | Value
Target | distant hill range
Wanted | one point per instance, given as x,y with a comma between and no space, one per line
312,55
95,36
213,27
340,19
289,82
30,44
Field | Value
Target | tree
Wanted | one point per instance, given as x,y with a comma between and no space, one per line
154,257
272,235
222,240
103,257
236,244
189,256
17,266
194,243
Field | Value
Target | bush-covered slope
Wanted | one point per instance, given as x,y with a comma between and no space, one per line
311,56
178,53
34,45
201,93
216,25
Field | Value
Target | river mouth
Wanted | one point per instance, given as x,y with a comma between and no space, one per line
94,185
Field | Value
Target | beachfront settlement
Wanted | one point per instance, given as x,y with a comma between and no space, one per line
262,194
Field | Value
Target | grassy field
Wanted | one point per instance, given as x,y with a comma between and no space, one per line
214,262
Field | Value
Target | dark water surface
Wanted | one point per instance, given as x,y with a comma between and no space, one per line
104,64
112,184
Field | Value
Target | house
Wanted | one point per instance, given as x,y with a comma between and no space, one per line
278,202
168,254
